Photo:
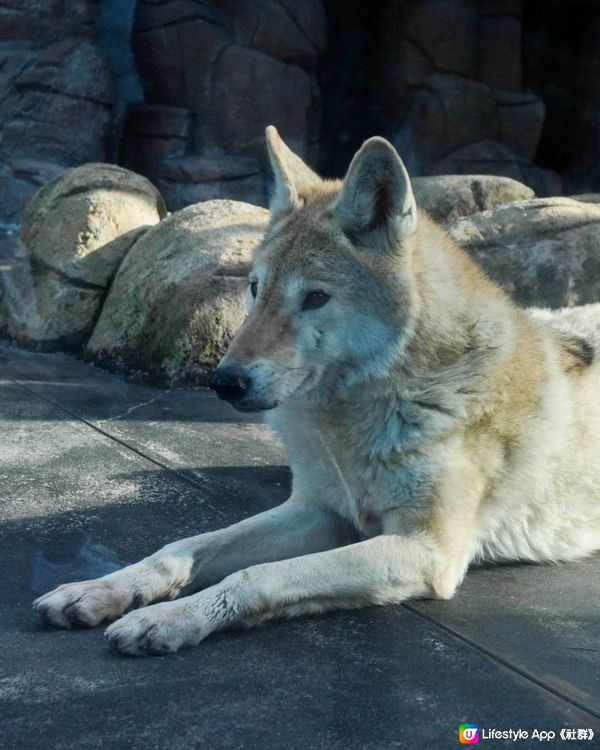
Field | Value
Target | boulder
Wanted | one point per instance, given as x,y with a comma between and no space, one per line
72,220
199,257
75,232
43,308
449,197
544,252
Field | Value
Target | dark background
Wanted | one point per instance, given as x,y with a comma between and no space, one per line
181,90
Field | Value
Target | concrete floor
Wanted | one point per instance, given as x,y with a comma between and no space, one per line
96,471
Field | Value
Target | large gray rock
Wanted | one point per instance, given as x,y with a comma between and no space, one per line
75,232
41,307
544,252
71,221
177,298
449,197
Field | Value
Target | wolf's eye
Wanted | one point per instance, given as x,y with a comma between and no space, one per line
314,300
253,288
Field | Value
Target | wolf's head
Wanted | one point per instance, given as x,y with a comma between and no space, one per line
330,299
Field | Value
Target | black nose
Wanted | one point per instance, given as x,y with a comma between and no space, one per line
230,382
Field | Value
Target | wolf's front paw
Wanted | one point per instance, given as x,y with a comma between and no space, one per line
81,605
160,629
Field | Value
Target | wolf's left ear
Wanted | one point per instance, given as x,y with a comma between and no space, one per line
376,206
293,178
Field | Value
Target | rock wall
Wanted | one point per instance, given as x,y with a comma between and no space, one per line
56,99
444,82
215,73
181,90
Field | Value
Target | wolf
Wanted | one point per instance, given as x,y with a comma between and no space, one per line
429,423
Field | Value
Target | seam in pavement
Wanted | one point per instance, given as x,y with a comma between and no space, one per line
206,494
501,660
411,608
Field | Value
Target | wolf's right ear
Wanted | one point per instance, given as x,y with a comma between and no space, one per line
376,206
293,178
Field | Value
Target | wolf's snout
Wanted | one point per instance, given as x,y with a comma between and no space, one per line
230,382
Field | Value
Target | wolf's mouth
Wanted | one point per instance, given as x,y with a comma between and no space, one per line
248,408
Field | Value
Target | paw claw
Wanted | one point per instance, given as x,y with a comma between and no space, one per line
76,617
123,643
50,617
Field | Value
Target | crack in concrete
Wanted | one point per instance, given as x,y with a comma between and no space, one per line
131,409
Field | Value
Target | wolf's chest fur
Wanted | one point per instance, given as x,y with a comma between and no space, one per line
372,459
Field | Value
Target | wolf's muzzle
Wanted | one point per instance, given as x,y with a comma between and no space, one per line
230,382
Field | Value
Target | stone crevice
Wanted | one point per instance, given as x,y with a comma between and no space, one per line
41,89
299,26
71,280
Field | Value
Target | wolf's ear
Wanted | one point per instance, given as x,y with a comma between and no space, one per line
376,206
294,180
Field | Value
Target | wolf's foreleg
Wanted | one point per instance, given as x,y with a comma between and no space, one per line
291,529
378,571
